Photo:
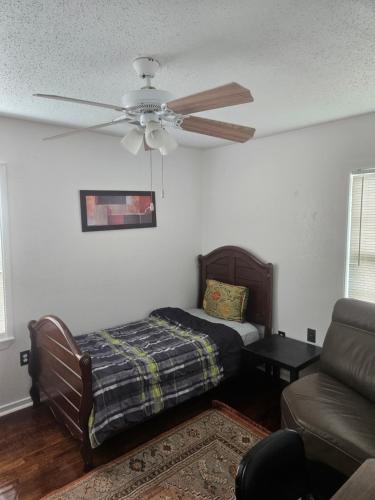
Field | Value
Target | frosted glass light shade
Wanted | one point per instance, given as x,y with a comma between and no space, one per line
169,144
133,140
158,138
152,134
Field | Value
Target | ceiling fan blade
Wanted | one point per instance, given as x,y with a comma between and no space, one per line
80,101
85,129
219,97
229,131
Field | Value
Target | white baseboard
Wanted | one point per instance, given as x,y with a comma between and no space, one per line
15,406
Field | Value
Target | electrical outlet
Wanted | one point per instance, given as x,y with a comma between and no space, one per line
311,335
282,334
24,358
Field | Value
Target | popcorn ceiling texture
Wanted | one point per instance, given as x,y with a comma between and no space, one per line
305,61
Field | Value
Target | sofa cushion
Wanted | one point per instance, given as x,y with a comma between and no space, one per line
349,347
337,424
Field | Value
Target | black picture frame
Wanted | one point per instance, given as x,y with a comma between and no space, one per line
148,219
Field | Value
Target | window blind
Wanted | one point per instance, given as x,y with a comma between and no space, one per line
361,252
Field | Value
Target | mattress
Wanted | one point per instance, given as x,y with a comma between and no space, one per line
248,332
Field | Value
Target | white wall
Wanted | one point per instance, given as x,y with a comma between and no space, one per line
93,279
285,198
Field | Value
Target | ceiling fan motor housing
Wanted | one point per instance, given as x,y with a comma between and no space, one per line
148,104
145,100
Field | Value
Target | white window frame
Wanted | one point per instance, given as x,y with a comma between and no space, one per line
359,171
348,234
7,337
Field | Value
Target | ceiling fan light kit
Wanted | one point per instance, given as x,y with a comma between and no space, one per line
168,143
133,140
151,134
151,110
158,138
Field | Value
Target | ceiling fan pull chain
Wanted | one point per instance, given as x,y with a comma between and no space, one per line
162,177
152,208
162,169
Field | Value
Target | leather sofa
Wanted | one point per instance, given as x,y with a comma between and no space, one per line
334,409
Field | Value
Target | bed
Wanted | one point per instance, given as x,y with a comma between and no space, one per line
68,377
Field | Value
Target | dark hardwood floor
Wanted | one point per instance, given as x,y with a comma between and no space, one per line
33,464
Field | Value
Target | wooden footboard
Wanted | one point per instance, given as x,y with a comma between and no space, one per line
61,374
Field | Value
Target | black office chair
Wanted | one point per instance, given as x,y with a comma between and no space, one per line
274,469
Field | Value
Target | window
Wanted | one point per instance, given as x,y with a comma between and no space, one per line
6,333
360,275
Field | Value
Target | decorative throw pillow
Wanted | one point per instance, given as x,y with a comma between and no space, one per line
225,301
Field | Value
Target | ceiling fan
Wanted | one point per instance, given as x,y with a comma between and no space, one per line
151,110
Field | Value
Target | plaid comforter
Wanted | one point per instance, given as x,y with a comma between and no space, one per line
144,367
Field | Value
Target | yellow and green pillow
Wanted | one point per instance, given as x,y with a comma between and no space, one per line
225,301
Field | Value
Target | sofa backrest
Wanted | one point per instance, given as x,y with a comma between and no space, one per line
349,347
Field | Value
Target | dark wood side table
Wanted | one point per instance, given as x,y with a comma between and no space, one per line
281,352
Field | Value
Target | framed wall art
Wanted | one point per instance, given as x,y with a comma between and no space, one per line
104,210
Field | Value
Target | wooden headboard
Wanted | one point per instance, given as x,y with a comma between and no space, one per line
237,266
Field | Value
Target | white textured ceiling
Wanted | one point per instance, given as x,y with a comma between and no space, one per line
305,61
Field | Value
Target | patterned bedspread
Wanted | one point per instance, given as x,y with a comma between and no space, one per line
144,367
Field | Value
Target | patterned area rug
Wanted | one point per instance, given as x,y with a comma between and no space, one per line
195,461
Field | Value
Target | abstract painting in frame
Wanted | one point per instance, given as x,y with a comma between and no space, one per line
103,210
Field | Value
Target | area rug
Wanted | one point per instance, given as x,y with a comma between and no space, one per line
196,460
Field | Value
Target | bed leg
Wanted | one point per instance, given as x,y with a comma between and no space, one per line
87,455
35,395
33,367
85,410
